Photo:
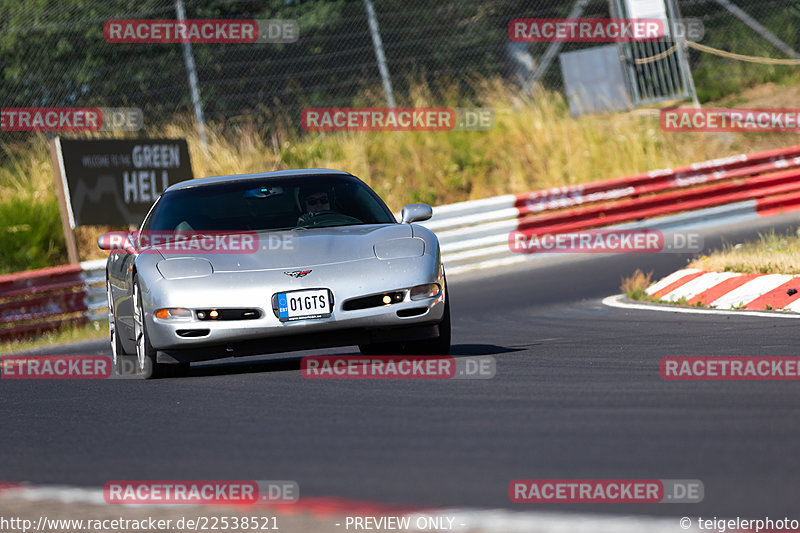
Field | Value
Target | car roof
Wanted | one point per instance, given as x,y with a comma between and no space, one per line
278,174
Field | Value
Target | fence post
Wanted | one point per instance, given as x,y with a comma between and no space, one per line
191,72
64,206
377,44
759,29
555,47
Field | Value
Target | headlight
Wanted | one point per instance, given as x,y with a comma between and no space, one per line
429,290
400,248
174,313
185,267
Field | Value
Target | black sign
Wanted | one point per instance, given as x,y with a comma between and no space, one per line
114,182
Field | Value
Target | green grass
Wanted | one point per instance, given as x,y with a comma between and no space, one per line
641,296
634,286
94,330
718,77
771,253
30,234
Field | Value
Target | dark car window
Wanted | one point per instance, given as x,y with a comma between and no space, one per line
271,204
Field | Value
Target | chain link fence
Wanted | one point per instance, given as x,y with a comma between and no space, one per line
54,53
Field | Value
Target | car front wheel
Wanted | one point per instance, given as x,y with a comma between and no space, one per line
146,355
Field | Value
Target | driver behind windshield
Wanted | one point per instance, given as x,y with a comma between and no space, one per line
313,200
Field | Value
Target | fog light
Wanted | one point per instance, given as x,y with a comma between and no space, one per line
429,290
387,299
213,313
174,313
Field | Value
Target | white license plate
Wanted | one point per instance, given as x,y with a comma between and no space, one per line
311,303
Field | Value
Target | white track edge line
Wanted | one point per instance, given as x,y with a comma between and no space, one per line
615,301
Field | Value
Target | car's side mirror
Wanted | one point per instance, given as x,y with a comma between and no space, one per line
416,213
116,240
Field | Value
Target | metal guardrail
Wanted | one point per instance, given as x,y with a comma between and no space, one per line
94,273
475,234
38,301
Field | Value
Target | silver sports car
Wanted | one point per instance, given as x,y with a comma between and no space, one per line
279,261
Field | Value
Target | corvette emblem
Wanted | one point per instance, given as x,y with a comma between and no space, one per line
298,273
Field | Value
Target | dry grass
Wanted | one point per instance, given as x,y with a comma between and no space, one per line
634,285
771,254
535,144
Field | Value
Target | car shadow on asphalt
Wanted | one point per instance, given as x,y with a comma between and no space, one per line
292,363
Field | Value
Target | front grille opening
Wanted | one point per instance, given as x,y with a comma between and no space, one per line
414,311
375,300
226,314
189,333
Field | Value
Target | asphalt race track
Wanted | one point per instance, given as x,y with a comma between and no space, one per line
577,394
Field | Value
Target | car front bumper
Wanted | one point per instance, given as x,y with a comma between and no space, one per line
406,320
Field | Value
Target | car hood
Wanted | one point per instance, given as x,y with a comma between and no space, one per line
305,248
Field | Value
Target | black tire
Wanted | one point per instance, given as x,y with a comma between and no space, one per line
146,355
117,350
178,370
437,346
383,348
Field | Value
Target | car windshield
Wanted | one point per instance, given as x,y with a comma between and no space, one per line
269,205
